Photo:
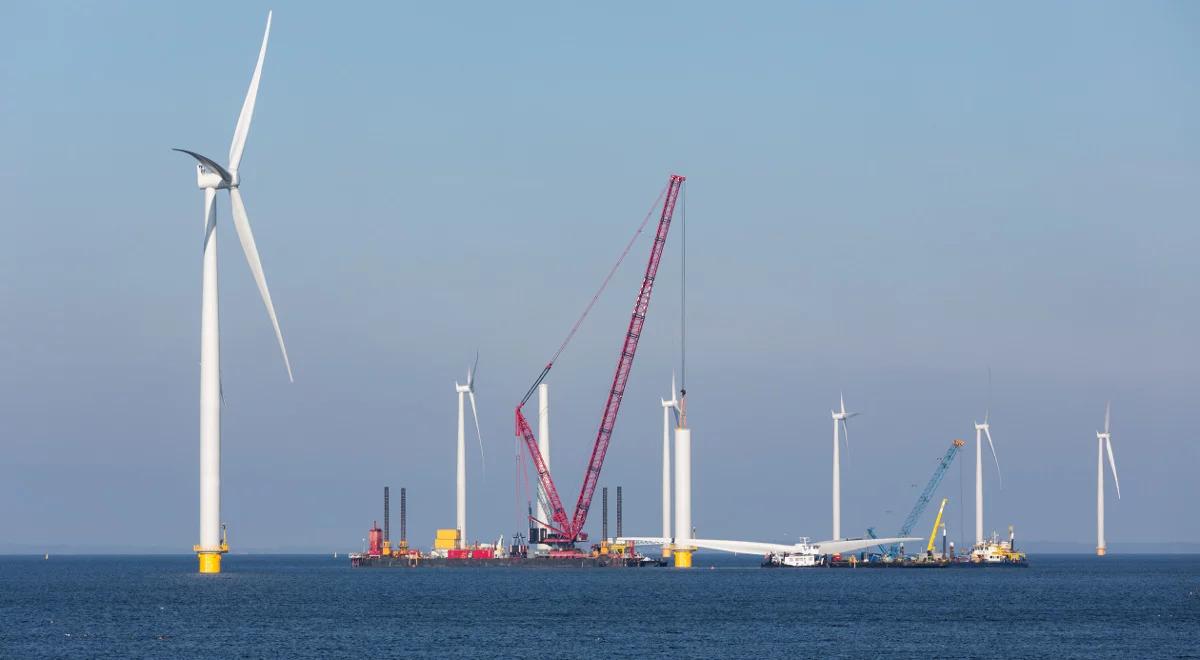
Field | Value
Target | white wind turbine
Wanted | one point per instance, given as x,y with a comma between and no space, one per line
469,391
839,417
211,177
667,405
1103,441
980,431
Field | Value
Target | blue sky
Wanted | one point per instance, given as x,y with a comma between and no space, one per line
882,199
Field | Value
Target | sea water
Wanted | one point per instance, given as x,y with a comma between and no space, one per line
1062,606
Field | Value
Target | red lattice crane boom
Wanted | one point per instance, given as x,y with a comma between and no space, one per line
568,531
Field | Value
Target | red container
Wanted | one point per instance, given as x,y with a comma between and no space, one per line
483,553
376,541
458,554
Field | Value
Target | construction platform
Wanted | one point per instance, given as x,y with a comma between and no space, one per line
585,561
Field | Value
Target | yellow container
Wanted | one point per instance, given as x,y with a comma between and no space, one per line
447,534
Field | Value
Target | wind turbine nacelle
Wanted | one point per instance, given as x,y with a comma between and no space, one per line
206,178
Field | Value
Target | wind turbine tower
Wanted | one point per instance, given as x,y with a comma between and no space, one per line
1103,441
682,547
211,177
839,417
468,391
667,406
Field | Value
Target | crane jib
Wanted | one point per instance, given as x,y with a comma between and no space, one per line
572,530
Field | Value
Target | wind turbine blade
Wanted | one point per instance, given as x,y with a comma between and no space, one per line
1113,463
673,390
209,163
1107,412
842,399
988,431
475,416
243,123
846,437
471,373
242,224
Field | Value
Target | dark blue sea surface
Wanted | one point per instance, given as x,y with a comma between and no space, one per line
318,607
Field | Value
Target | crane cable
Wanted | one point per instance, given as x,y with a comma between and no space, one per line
679,420
683,300
588,309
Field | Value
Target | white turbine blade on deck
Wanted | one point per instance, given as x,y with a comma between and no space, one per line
1112,463
478,434
988,431
243,123
742,547
242,224
852,545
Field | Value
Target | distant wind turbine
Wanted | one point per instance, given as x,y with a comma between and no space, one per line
980,431
1104,441
469,391
839,417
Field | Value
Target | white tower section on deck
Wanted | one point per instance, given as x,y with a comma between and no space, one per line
666,473
210,386
683,487
544,447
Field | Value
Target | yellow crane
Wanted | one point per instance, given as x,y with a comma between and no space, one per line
936,523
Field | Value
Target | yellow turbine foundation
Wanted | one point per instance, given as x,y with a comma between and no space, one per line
683,558
666,551
210,560
1100,552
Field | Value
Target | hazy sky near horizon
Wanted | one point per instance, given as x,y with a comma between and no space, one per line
882,199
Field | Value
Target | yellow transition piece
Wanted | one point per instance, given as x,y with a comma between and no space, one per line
210,562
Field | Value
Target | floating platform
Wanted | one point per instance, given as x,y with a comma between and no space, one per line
586,561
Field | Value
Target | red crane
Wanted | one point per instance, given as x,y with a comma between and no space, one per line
567,531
